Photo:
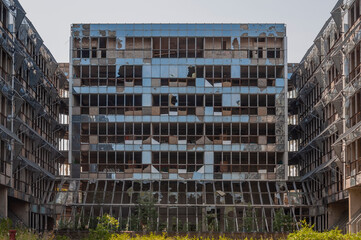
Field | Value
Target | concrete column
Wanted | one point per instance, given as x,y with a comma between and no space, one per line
354,200
41,226
3,202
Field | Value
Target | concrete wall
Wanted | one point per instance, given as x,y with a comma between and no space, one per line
336,211
19,211
3,201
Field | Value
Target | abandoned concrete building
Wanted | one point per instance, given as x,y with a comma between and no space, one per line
209,121
196,114
30,83
328,106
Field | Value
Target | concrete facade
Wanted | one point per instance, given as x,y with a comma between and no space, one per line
29,119
196,114
328,133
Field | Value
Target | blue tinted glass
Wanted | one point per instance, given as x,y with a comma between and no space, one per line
138,26
227,27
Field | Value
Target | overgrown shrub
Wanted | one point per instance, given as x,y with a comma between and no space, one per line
107,226
5,226
23,233
308,233
104,229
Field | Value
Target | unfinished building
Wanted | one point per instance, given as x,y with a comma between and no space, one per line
195,114
30,104
328,130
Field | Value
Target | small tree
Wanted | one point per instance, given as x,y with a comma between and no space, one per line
106,225
282,222
147,212
211,220
248,219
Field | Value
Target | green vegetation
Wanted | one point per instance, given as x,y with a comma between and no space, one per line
282,222
249,219
146,214
5,226
24,233
308,233
107,226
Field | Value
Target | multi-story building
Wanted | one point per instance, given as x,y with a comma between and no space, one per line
328,86
196,121
195,114
29,119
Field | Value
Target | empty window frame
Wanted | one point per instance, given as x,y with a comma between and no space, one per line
251,103
97,75
177,162
111,104
105,162
269,47
4,12
173,47
246,162
93,47
130,75
354,12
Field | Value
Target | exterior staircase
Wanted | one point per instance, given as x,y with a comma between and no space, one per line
355,224
17,221
342,223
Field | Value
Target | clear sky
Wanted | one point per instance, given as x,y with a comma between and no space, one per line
304,19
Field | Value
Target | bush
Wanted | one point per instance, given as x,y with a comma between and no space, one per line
23,233
106,225
308,233
5,226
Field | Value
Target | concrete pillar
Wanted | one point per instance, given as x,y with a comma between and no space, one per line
41,222
354,206
3,202
36,223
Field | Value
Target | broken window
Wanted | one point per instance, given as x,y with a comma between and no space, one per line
178,47
354,12
224,45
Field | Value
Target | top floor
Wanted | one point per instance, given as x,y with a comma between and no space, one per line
164,30
20,37
338,38
238,41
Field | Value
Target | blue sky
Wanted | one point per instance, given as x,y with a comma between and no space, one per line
304,18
